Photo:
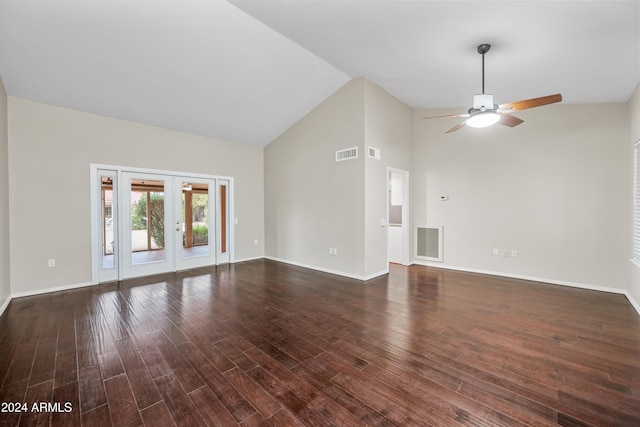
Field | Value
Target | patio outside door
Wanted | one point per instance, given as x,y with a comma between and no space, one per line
194,222
147,245
224,238
150,222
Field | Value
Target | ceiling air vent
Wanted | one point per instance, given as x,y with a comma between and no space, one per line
346,154
374,153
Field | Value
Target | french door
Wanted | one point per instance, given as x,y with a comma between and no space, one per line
149,223
194,222
147,244
224,229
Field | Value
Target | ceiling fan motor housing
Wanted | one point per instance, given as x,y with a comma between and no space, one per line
483,102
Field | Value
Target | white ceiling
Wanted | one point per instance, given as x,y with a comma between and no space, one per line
245,71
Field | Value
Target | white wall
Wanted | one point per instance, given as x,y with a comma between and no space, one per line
634,136
50,150
5,288
554,189
312,202
389,127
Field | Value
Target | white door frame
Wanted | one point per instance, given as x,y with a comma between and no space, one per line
96,230
128,268
182,262
98,271
406,226
227,256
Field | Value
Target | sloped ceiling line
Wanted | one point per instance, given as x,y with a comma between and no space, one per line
245,71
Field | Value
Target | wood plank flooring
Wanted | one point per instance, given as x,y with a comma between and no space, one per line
264,343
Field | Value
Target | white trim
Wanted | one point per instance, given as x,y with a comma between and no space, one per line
633,302
231,194
374,275
227,258
255,258
624,292
158,171
49,290
181,263
635,231
327,270
406,212
5,305
95,231
525,277
96,257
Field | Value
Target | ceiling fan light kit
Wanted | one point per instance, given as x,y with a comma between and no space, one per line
483,119
485,113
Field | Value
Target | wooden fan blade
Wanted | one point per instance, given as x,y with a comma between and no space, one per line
529,103
448,116
509,120
456,127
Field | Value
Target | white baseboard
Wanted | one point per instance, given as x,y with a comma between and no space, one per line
75,286
5,304
326,270
48,290
255,258
40,292
633,302
536,279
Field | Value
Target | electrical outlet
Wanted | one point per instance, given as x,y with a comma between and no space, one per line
51,262
496,251
255,241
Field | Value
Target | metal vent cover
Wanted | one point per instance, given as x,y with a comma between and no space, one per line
429,243
346,154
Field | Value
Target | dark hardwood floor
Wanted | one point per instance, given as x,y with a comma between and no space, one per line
263,343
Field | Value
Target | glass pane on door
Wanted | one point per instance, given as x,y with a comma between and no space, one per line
223,222
195,219
107,221
147,221
223,219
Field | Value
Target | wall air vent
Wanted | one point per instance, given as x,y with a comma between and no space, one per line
346,154
374,153
429,243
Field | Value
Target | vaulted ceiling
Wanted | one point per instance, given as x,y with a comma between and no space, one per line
245,71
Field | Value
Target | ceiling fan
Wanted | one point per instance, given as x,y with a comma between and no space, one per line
485,113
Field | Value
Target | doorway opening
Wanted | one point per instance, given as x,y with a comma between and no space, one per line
148,222
398,247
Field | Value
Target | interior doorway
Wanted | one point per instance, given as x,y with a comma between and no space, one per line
148,222
398,238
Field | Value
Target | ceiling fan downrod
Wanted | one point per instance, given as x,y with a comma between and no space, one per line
482,49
